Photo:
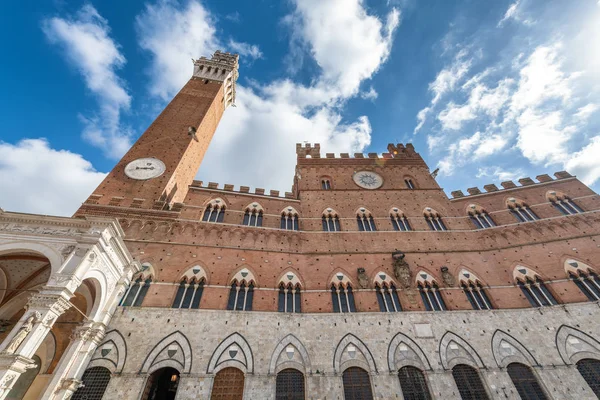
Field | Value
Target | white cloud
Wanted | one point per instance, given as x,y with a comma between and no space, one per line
85,38
585,162
250,51
511,12
499,173
370,94
475,147
47,181
583,113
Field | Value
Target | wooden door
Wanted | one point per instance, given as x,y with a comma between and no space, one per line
228,385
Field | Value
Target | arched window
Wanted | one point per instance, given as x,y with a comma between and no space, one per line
585,278
253,215
521,211
430,293
325,184
365,220
525,382
533,288
480,217
387,297
590,371
95,380
215,211
357,385
289,385
399,221
563,203
409,183
135,294
331,221
469,383
434,220
289,219
228,384
241,296
413,384
289,298
474,291
189,294
342,296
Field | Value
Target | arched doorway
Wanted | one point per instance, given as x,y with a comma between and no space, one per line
228,385
290,385
162,385
357,385
525,381
95,380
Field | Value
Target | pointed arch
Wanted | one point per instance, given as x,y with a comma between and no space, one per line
173,351
197,273
576,267
146,272
340,363
111,353
521,272
290,276
403,351
507,349
455,350
233,351
340,277
254,207
298,360
382,277
466,276
243,274
574,345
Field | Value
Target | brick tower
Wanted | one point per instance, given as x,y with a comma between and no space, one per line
157,170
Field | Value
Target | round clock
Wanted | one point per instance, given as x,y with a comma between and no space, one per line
368,179
145,168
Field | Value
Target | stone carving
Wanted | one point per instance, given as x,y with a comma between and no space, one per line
67,250
363,279
401,269
7,380
23,332
447,277
42,230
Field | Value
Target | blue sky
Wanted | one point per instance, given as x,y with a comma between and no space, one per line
486,90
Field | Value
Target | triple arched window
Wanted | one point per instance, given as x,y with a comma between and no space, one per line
563,203
480,217
325,184
289,219
135,294
330,221
430,293
189,294
434,220
585,278
521,211
253,215
342,296
387,297
474,291
365,221
289,298
533,288
399,221
241,296
215,211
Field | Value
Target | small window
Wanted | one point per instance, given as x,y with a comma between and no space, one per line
189,294
480,217
431,296
365,221
135,294
476,296
409,183
342,298
436,223
253,218
289,219
399,221
525,382
325,184
521,211
469,383
289,298
413,384
590,371
387,297
241,296
588,283
330,221
214,212
566,206
536,292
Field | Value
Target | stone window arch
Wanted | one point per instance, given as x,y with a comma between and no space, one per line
473,289
365,220
342,296
533,288
563,203
469,383
139,286
289,297
520,210
399,220
525,382
387,294
253,215
289,219
330,220
430,292
215,211
479,216
290,353
434,219
574,345
413,383
241,294
584,277
506,350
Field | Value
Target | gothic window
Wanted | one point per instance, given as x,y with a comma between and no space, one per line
325,184
228,385
585,278
289,385
357,385
590,371
563,203
413,384
215,211
480,217
241,296
399,221
521,211
134,296
409,183
387,297
289,219
95,380
365,220
474,291
342,296
533,288
331,221
189,294
430,293
525,382
469,383
289,298
253,215
434,220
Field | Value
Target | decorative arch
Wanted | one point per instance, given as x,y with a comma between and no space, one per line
382,278
363,211
555,195
577,267
425,277
429,212
574,345
53,255
521,273
340,278
295,356
233,351
146,272
396,212
244,274
465,276
172,351
344,358
196,273
98,281
289,277
507,349
474,209
403,351
111,353
330,212
217,201
254,207
514,202
290,211
455,350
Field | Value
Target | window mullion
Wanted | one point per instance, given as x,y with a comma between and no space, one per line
285,300
237,294
138,292
543,293
433,290
528,287
347,299
337,290
184,293
587,285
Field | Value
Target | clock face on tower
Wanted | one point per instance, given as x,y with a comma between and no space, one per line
145,168
368,179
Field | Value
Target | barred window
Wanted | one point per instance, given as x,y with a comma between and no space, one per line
387,297
215,211
289,298
480,217
431,296
357,385
241,296
342,298
469,383
95,380
536,292
135,294
330,221
289,219
413,384
289,385
590,371
365,220
476,295
525,382
189,294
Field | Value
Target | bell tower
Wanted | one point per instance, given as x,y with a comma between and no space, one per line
156,172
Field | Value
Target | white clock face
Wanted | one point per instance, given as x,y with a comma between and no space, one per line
145,168
368,179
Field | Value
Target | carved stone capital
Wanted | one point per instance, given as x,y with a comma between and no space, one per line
55,303
86,333
71,282
69,385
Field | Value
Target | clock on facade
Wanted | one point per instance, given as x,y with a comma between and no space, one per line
368,179
145,168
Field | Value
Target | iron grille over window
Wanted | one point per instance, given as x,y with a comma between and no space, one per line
214,213
331,223
289,298
228,385
342,298
289,222
387,297
525,382
476,296
567,206
431,296
365,223
536,292
95,380
409,183
357,385
469,383
399,222
253,218
590,371
134,296
523,213
325,184
436,223
289,385
413,384
241,296
482,220
588,283
189,294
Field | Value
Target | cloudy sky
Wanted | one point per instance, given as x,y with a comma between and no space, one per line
487,91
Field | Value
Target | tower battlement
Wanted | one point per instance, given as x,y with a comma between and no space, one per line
222,67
